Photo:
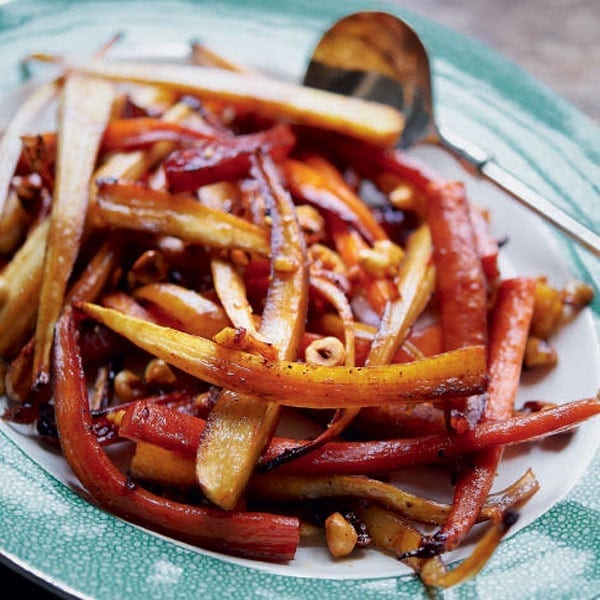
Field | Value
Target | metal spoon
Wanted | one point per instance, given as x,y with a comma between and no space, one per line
378,56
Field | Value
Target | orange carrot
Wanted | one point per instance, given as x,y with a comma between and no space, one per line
461,286
317,187
508,336
256,535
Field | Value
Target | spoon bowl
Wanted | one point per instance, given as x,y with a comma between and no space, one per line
378,56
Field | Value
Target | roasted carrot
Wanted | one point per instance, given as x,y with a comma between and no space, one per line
509,330
141,132
448,374
275,99
461,286
372,161
126,134
180,432
487,245
136,207
256,535
388,455
85,109
241,425
225,159
332,194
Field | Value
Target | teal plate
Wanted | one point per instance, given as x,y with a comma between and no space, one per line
50,532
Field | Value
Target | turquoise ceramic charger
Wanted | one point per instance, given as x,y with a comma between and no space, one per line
47,527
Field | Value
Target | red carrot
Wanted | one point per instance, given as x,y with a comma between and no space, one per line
255,535
508,336
487,245
173,430
224,159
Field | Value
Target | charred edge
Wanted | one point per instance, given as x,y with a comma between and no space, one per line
509,518
46,422
42,380
364,537
431,547
130,483
285,457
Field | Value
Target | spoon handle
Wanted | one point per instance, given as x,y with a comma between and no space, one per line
485,164
543,207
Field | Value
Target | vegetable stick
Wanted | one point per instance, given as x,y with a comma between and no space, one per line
374,122
432,574
288,488
347,192
380,456
384,422
195,313
394,534
133,206
84,110
225,159
163,467
461,288
92,280
312,185
255,535
414,292
10,144
133,165
230,288
23,277
509,329
175,431
141,132
227,280
240,425
372,161
457,372
487,245
342,416
14,224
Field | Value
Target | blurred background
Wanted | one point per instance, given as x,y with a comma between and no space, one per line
557,41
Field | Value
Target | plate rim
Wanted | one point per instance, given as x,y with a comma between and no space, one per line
483,53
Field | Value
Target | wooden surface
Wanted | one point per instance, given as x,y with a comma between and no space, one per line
557,41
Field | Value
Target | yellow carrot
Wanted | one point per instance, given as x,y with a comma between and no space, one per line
362,119
84,111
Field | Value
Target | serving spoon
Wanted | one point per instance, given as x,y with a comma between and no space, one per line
378,56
